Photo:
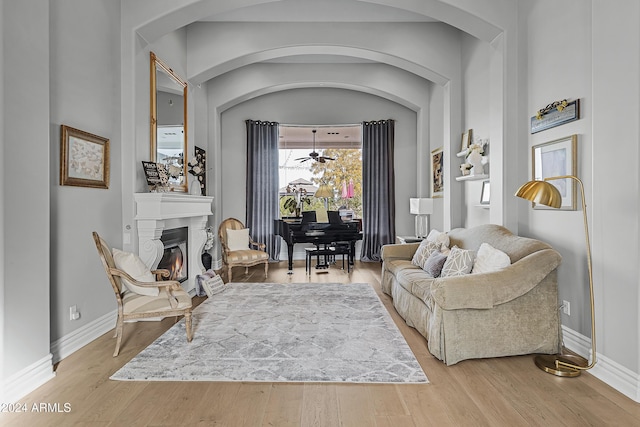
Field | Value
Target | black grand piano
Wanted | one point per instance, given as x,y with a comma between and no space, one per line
319,233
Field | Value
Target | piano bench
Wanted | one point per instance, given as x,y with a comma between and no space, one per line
326,252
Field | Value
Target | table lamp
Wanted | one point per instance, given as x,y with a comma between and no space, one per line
563,365
324,192
421,207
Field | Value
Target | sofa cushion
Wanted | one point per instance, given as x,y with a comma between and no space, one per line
489,259
425,249
435,262
410,278
396,265
458,263
438,237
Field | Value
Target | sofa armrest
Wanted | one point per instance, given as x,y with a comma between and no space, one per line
486,290
399,251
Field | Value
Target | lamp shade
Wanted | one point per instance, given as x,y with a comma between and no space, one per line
541,192
421,206
324,191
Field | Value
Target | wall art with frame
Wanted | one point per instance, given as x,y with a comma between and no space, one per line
84,158
557,158
437,173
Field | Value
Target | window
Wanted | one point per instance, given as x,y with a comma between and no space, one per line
302,175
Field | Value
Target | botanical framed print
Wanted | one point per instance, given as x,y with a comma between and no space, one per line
84,158
557,158
467,139
437,173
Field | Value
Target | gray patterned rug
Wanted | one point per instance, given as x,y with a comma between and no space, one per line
302,332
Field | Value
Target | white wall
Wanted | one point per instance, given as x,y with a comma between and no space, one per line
475,80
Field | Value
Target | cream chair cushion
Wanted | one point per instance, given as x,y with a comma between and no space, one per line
246,255
136,303
238,240
136,268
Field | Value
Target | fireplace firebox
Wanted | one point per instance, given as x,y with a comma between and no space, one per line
176,250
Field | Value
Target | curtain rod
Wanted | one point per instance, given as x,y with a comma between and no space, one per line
320,126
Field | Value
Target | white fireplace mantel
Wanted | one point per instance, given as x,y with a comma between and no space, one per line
156,212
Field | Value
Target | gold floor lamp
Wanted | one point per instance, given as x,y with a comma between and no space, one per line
563,365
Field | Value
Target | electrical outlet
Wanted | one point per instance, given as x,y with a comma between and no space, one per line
74,314
566,307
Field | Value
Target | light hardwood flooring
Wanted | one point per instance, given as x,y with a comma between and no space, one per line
507,391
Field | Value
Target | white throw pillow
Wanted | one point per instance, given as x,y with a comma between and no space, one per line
136,268
438,237
458,263
238,240
425,249
490,259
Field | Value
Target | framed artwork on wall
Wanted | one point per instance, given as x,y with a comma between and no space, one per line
84,159
437,173
485,196
557,158
467,139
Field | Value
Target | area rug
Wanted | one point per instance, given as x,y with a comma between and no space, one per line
295,332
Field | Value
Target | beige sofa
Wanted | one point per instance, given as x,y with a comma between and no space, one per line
502,313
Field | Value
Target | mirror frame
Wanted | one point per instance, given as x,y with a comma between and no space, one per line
156,65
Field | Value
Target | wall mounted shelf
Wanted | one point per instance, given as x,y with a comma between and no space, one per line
472,177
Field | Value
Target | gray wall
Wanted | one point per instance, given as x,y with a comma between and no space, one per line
84,95
25,169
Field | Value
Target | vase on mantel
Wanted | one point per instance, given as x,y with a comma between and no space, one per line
194,186
475,159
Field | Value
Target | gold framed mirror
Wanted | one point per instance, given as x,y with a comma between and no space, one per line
169,122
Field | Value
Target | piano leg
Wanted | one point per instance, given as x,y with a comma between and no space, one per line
290,256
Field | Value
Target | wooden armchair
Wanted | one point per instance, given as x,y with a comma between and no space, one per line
241,255
172,300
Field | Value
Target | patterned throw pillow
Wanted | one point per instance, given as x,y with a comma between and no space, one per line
435,262
459,262
438,237
425,249
490,259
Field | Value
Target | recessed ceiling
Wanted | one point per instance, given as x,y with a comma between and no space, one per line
318,11
301,136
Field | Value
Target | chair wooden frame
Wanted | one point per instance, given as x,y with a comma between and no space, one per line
167,290
236,224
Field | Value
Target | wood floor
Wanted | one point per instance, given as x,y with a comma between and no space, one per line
490,392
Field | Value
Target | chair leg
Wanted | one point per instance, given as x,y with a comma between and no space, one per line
266,269
246,271
119,332
187,321
229,273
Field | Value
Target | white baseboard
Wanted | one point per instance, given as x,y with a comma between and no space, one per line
26,380
82,336
612,373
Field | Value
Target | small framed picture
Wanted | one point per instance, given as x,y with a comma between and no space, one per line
557,158
84,159
437,173
467,139
485,196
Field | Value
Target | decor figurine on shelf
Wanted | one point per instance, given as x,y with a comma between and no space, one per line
474,157
465,168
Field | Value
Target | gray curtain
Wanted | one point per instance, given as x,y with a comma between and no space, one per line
378,188
262,184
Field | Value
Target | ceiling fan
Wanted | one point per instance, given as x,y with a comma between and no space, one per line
315,155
